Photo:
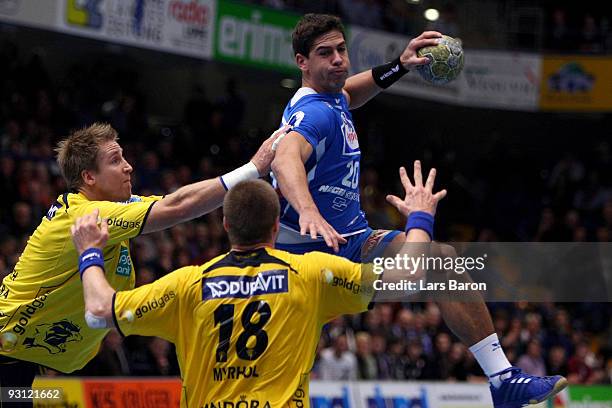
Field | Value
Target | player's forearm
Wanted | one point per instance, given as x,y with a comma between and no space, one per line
186,203
293,182
415,247
364,86
361,88
98,295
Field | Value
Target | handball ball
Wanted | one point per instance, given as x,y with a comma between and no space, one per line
445,61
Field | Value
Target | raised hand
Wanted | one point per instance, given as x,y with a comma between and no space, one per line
409,58
418,197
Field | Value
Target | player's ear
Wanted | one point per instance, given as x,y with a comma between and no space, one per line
301,61
276,228
88,177
225,224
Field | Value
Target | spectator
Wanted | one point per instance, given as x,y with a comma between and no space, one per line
532,361
557,361
338,363
580,365
417,365
366,362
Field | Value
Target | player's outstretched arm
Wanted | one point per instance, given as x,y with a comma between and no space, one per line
89,238
419,206
362,87
288,167
194,200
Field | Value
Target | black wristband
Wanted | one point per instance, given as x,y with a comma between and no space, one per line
387,74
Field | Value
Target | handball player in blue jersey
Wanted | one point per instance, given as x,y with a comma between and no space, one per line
317,169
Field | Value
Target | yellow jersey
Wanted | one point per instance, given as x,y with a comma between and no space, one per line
246,324
41,301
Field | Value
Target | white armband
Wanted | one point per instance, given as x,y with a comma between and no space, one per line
95,322
246,172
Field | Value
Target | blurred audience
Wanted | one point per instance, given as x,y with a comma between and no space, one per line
393,340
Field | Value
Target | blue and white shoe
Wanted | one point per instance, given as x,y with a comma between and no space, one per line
522,389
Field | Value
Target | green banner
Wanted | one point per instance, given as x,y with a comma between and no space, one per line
590,396
254,36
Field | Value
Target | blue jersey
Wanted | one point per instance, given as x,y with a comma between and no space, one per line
332,169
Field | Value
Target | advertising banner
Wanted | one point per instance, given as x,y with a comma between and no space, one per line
501,80
576,83
135,393
70,392
254,36
165,392
490,79
334,394
31,13
182,27
594,396
177,26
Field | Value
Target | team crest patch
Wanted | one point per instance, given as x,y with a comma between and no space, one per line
54,336
124,267
228,286
350,135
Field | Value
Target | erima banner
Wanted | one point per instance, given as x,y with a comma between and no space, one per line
182,27
490,79
494,271
254,36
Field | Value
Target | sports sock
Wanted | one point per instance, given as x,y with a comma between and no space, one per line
492,359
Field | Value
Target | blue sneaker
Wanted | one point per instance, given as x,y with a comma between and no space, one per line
523,389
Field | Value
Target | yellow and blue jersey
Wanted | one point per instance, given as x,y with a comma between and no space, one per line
246,324
41,301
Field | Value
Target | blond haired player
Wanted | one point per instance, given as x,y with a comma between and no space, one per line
42,319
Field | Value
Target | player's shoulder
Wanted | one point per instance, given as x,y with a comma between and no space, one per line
325,257
77,203
315,261
186,274
308,100
212,264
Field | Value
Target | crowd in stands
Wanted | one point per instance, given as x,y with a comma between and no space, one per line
575,28
392,341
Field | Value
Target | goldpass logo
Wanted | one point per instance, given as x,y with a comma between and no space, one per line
123,224
28,312
346,284
154,304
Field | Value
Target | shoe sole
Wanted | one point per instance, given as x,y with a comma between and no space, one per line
559,386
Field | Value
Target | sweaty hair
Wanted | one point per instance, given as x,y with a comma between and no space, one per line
250,209
312,26
79,150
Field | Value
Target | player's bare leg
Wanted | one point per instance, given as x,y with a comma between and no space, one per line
470,320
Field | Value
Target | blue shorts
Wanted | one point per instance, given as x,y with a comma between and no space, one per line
361,247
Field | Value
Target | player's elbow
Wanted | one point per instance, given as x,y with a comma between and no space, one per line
98,319
98,312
